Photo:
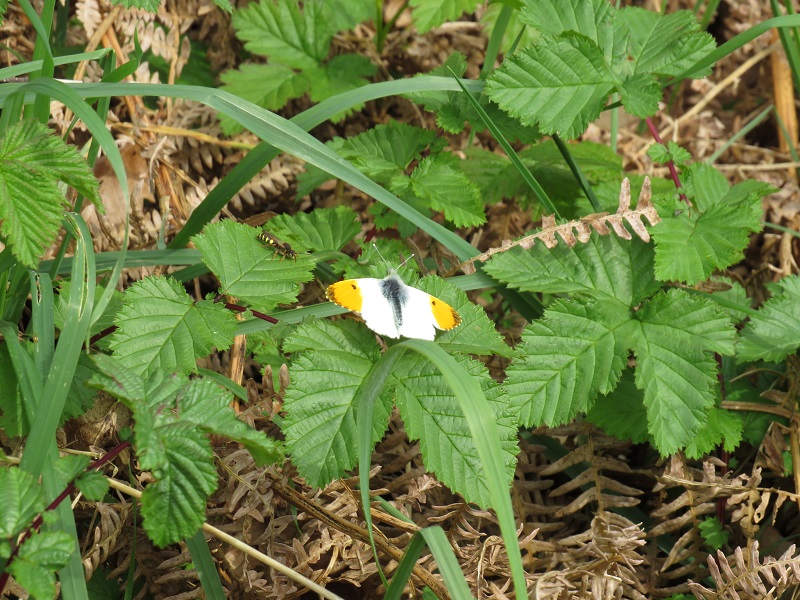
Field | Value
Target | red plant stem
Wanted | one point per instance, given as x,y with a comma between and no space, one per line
37,522
670,165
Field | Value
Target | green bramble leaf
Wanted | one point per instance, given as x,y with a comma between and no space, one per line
247,269
386,150
22,499
269,86
280,30
432,415
661,154
604,267
640,95
621,412
723,428
32,162
160,327
340,74
569,356
692,243
173,507
560,84
432,13
93,485
665,44
498,179
70,466
673,338
320,422
440,181
173,417
713,533
774,332
321,230
592,18
39,557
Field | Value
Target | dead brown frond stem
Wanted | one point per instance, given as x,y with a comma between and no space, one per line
580,230
750,575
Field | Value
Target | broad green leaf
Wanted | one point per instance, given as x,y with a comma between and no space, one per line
688,321
722,428
735,295
208,407
160,327
386,150
320,422
674,366
22,499
640,95
775,332
665,44
268,86
287,35
39,557
691,245
93,485
440,181
569,356
321,230
432,415
499,179
604,267
592,18
560,84
32,162
249,271
174,506
342,73
70,466
621,412
346,14
432,13
449,112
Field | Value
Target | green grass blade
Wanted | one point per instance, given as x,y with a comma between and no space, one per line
206,567
78,312
512,155
35,65
482,426
365,399
255,160
736,43
754,122
789,42
577,173
496,40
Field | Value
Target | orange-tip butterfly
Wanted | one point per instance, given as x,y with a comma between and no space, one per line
392,308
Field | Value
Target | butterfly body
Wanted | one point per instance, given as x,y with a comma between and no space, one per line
280,247
392,308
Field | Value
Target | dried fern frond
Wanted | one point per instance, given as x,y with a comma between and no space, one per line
580,230
600,487
750,576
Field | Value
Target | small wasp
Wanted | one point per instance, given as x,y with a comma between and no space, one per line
282,248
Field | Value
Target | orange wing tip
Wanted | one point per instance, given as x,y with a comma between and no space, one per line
445,315
346,294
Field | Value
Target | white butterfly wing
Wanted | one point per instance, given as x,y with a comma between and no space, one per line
376,310
418,320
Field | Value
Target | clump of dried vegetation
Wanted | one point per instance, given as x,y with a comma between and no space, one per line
605,520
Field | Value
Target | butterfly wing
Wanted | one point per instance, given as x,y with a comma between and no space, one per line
366,297
423,312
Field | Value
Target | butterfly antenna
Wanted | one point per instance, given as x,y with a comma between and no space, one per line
386,262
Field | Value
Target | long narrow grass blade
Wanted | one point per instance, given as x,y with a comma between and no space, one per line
486,437
206,567
510,152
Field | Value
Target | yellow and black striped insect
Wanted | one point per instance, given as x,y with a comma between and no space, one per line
282,248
